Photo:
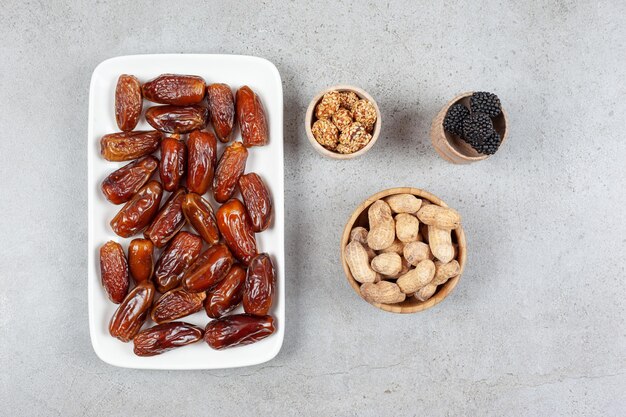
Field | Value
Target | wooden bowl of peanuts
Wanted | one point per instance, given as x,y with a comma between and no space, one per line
342,122
403,250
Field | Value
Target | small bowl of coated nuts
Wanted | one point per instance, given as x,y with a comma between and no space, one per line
342,122
403,250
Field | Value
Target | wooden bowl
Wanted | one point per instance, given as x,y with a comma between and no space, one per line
451,147
411,304
310,119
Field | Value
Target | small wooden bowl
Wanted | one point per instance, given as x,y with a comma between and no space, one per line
452,148
411,304
310,119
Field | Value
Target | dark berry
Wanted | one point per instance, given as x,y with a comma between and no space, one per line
483,102
476,128
489,145
453,122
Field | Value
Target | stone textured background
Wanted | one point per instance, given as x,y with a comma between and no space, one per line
537,323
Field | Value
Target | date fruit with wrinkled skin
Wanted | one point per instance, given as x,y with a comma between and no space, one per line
122,184
258,293
251,117
114,271
164,337
256,198
174,119
199,214
210,268
236,229
175,304
238,330
126,146
173,162
182,250
132,313
177,89
128,102
227,294
229,169
139,211
222,110
202,161
168,221
141,259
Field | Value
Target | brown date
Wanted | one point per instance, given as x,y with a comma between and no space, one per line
141,259
180,90
174,119
121,185
175,259
168,221
229,169
210,268
128,102
126,146
164,337
222,110
175,304
236,229
199,214
238,329
258,293
251,117
173,161
114,271
227,294
202,161
139,211
256,198
132,313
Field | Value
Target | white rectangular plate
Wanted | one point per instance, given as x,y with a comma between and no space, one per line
236,71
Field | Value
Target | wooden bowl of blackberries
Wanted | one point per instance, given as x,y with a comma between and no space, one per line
470,128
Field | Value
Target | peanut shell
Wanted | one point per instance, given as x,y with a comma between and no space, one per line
426,292
415,252
407,227
443,272
387,264
358,262
442,217
404,203
417,278
440,241
384,292
395,247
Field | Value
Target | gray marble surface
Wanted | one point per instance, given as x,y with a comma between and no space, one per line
535,327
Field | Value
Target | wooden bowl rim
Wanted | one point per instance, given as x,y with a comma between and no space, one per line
308,122
437,130
443,291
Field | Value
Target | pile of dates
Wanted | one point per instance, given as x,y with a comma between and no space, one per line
214,264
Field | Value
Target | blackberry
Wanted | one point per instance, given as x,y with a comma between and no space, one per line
453,122
483,102
489,145
477,127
